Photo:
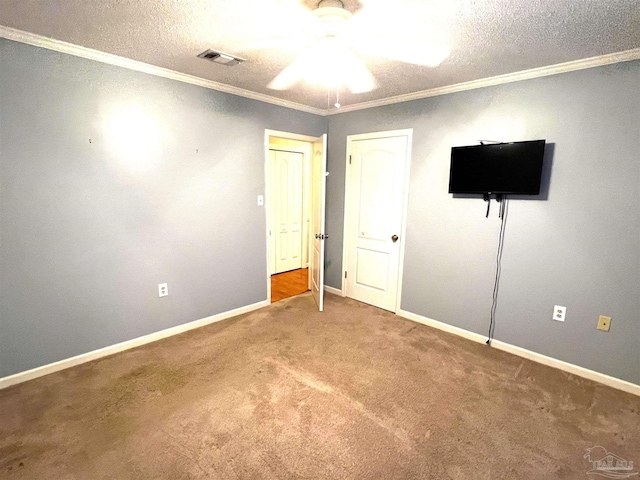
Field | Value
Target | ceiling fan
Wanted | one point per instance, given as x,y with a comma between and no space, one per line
334,40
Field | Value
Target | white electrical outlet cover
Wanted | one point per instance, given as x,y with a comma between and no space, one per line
163,290
559,313
260,200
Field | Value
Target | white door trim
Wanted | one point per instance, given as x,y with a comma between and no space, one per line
267,135
408,132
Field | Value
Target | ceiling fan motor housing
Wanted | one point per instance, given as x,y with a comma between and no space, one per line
330,3
332,17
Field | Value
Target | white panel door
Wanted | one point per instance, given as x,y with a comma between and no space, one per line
318,194
375,203
286,171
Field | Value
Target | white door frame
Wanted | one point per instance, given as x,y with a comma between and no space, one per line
405,200
288,136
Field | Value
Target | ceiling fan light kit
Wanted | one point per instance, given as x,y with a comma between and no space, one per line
333,60
332,17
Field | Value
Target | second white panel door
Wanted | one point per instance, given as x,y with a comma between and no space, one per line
376,182
287,171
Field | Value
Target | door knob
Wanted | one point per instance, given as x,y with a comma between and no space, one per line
394,238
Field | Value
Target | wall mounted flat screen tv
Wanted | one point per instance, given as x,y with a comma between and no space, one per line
501,168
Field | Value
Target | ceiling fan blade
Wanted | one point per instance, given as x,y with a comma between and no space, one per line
406,31
416,11
330,68
293,10
406,50
292,4
294,73
358,77
283,25
289,43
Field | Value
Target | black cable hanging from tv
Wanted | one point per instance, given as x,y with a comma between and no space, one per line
496,284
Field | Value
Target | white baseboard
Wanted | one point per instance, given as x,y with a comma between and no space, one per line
152,337
119,347
528,354
333,291
461,332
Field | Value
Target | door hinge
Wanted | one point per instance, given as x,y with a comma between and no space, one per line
349,159
345,274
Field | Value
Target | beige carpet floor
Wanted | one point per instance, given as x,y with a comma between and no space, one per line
287,392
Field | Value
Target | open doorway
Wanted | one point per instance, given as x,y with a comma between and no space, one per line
295,171
289,284
289,206
289,211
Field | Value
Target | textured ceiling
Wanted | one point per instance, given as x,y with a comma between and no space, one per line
487,37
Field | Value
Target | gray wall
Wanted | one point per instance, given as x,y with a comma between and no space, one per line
577,245
96,210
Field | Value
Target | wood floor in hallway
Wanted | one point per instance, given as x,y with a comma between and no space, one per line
289,284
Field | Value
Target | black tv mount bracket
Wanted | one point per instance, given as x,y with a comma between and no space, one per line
487,198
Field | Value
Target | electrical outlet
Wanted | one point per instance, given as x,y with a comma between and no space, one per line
559,313
260,200
604,323
163,290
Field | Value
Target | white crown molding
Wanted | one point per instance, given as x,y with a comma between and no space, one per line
79,51
90,54
572,66
610,381
120,347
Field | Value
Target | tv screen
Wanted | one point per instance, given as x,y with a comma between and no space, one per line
513,168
